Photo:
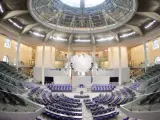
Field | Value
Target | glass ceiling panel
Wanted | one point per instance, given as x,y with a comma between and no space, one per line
88,3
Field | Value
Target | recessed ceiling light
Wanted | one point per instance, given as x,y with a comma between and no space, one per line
82,41
127,34
105,39
15,24
58,38
37,34
1,9
150,24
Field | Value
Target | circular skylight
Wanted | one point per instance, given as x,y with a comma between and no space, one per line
82,16
88,3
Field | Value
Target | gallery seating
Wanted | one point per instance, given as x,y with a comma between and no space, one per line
11,79
21,108
11,71
150,73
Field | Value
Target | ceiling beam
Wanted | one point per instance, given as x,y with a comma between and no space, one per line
115,36
42,6
135,28
59,17
72,24
28,27
48,35
105,17
116,5
14,14
91,24
152,15
70,39
93,39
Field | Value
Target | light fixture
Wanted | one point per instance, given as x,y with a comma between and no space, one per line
1,9
105,39
127,34
58,38
15,24
150,24
37,34
82,41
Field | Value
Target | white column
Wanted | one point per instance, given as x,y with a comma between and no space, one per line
94,63
120,65
94,55
112,57
43,59
18,51
69,59
145,55
69,52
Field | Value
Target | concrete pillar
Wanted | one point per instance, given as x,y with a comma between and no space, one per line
120,66
94,55
145,55
18,51
69,52
43,60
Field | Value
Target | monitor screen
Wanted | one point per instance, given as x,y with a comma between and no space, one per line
114,79
49,80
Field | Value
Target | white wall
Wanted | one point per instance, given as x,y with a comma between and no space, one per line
62,80
109,72
115,73
47,72
101,77
81,80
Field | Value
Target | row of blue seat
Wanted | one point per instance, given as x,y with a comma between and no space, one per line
103,88
60,88
58,106
135,85
117,97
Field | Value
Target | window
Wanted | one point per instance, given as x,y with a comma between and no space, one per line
88,3
155,44
6,59
157,60
7,43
